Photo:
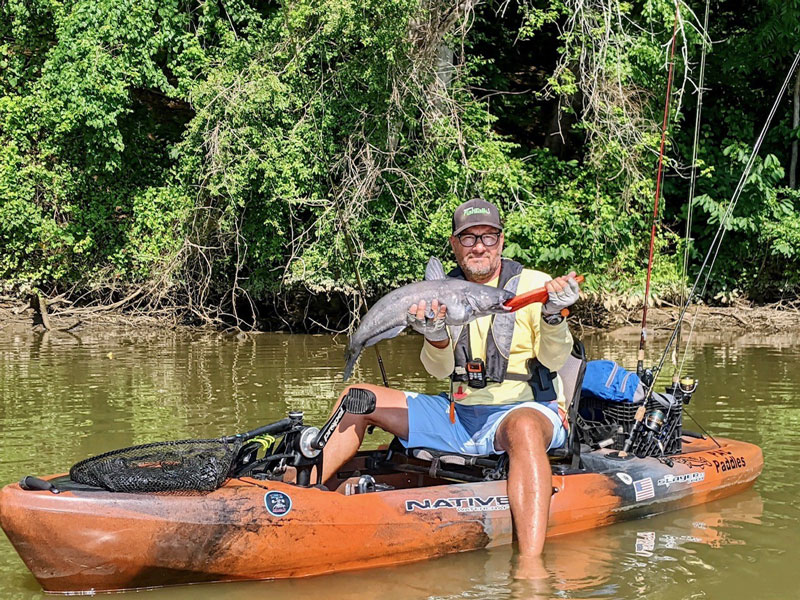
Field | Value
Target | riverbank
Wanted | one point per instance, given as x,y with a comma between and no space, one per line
742,316
590,315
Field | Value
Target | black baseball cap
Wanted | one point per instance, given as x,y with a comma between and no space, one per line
476,212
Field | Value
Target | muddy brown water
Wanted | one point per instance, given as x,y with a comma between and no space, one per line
66,396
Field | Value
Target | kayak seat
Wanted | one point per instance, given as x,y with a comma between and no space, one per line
446,465
571,375
491,466
446,458
466,467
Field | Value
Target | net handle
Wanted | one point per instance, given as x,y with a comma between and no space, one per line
277,427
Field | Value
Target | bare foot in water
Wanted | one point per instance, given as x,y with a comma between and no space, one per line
530,568
531,579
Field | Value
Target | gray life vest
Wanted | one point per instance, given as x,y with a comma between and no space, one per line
501,331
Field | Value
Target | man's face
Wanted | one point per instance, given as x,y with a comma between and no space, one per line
480,263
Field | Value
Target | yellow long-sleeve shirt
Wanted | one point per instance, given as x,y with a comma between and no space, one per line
532,337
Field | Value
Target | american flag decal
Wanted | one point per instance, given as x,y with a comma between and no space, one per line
644,489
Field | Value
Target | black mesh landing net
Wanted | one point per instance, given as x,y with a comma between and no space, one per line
184,465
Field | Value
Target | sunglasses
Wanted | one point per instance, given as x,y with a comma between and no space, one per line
468,240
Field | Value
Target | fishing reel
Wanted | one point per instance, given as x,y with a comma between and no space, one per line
646,375
654,424
683,389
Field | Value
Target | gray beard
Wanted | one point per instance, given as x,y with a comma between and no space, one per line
477,273
480,273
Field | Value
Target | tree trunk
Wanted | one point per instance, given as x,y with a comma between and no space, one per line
795,125
445,65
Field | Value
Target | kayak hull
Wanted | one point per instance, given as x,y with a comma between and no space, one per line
84,541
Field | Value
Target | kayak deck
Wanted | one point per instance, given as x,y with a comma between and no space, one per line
85,540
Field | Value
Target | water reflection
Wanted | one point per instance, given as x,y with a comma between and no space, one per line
63,397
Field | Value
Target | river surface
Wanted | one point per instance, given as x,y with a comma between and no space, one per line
67,396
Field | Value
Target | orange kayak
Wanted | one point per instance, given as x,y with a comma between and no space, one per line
86,539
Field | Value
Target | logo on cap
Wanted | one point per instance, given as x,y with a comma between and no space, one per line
474,210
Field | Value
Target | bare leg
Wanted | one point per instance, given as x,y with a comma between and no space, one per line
525,434
391,414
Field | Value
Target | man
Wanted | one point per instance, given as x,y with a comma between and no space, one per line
503,416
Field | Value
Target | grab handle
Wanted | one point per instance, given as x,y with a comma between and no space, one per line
31,483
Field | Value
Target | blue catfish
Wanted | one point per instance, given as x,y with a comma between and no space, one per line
465,301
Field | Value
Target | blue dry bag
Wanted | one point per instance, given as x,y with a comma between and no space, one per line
606,380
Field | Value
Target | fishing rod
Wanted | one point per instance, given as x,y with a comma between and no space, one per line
659,178
692,184
349,243
716,243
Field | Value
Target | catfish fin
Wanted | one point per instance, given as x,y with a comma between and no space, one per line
354,351
434,271
350,361
385,335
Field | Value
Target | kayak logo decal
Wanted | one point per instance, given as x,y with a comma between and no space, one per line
463,504
625,478
668,480
693,462
727,461
278,504
721,460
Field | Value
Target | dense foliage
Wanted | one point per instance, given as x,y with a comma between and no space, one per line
221,155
